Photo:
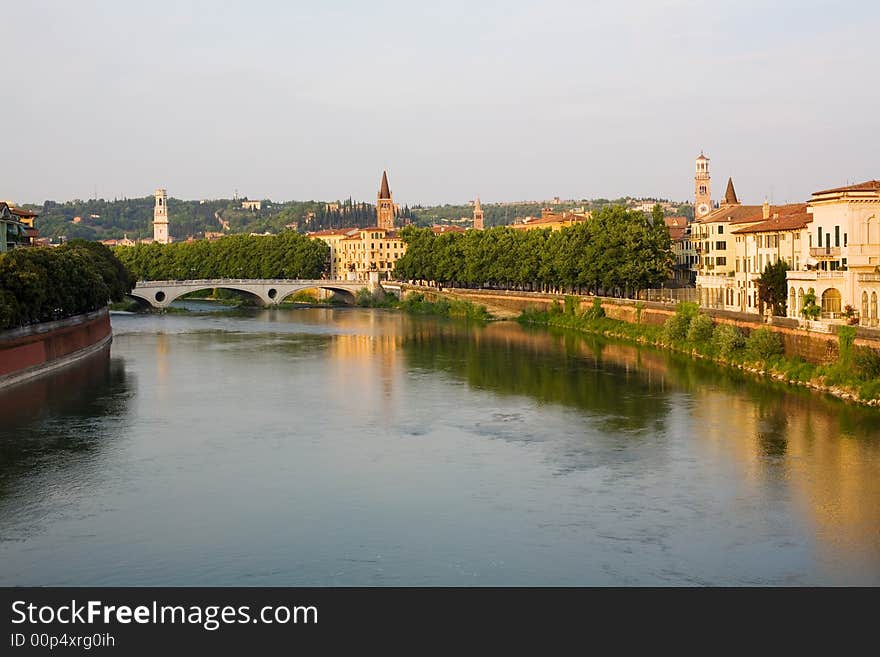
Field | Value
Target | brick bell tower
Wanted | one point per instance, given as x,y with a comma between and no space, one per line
702,188
478,215
385,205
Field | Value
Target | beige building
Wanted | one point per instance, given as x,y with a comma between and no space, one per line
552,220
841,257
355,252
780,236
252,205
716,248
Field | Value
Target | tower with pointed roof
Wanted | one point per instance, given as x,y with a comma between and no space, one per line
478,215
385,205
702,189
730,194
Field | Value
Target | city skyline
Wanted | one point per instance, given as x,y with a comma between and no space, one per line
528,102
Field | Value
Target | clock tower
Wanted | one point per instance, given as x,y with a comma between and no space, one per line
702,190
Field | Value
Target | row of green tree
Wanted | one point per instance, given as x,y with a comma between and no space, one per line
288,255
616,253
44,284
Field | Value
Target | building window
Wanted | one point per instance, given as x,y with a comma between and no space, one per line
720,246
837,236
721,261
831,301
720,230
819,233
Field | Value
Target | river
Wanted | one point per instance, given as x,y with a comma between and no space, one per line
366,447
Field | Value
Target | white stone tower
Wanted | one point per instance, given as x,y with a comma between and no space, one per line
160,218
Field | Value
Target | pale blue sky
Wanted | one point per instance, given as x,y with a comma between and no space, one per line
508,100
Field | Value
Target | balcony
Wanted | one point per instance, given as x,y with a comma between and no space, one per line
825,251
869,278
814,275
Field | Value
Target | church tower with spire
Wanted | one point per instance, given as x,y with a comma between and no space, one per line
702,190
730,195
385,205
478,215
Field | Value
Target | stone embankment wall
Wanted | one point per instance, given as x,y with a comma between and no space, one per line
812,346
34,350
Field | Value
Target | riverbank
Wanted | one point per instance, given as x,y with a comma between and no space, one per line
854,376
35,350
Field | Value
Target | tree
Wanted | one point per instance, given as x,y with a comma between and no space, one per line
773,287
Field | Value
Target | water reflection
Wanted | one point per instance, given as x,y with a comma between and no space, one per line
51,419
355,446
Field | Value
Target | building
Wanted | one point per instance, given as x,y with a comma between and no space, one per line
779,236
552,220
385,205
333,237
715,245
251,205
160,218
16,227
840,260
372,249
684,250
478,215
355,252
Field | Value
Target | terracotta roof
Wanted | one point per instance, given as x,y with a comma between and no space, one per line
782,217
384,191
446,229
867,186
331,231
677,233
19,212
730,194
673,222
734,214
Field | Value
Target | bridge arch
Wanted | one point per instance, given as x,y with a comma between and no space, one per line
160,294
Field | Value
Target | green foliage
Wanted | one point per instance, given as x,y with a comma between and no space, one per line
728,341
45,284
617,252
596,310
676,328
417,304
288,255
763,344
572,303
810,309
700,331
773,287
846,336
866,362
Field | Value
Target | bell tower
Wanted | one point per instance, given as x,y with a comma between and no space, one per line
385,205
160,218
702,189
478,215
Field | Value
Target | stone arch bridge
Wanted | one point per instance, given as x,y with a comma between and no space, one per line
270,292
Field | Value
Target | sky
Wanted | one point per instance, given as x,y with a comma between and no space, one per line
505,100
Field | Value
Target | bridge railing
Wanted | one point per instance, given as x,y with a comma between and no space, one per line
249,281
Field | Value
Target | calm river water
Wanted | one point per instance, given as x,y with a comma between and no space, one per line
365,447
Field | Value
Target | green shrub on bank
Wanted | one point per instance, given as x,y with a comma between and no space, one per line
415,303
728,341
763,344
700,332
866,362
596,311
675,330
